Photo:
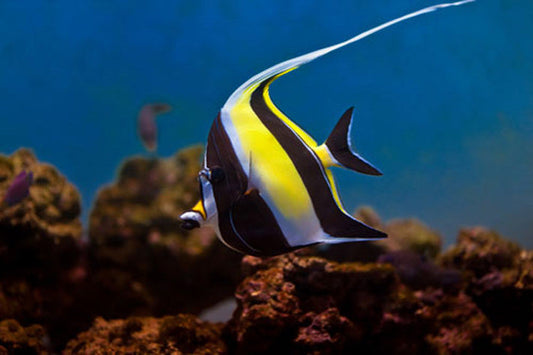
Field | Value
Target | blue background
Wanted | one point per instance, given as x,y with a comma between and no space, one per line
444,102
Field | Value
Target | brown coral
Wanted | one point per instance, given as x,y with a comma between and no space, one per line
303,304
16,339
39,245
169,335
40,235
140,254
499,281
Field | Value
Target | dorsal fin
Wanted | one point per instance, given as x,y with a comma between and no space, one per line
339,147
285,67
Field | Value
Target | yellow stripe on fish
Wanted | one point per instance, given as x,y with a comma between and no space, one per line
278,176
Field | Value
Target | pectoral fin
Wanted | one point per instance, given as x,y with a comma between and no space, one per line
254,223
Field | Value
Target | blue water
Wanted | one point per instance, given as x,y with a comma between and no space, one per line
444,102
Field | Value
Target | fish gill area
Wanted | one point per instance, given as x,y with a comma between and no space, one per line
134,282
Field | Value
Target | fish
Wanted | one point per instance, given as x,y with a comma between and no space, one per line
19,188
146,126
266,185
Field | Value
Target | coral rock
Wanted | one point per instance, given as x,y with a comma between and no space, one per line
154,267
411,234
15,339
419,272
462,327
301,304
307,304
40,245
499,277
38,236
479,251
168,335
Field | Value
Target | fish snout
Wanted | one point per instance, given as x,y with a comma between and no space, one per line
191,220
189,224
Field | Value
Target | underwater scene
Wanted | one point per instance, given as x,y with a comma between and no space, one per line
304,177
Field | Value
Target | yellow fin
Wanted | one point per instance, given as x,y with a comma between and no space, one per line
325,156
199,207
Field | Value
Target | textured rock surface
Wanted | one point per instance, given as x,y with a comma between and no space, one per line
310,305
401,296
411,234
40,245
168,335
419,272
144,264
16,339
499,279
39,236
303,304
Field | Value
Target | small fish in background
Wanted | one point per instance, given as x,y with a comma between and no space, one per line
146,125
266,186
19,188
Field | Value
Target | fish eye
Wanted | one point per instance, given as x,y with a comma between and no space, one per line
217,174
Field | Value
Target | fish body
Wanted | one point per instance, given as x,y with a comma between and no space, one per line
266,184
146,125
19,188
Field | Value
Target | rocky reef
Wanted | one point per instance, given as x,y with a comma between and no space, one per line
135,260
135,282
40,249
181,334
311,305
142,258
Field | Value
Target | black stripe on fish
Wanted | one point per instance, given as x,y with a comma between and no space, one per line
255,222
245,221
333,221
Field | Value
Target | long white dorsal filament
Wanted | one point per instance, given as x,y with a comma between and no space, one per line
306,58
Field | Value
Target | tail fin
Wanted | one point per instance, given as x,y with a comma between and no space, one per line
339,147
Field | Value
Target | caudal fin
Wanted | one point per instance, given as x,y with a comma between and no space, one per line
340,150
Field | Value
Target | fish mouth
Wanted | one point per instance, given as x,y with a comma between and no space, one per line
191,220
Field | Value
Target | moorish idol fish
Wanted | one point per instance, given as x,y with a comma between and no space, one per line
266,185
